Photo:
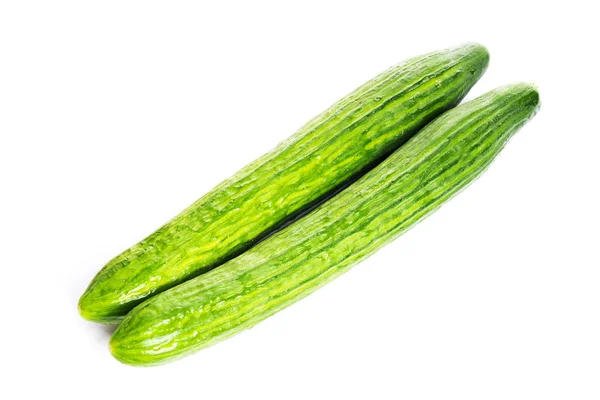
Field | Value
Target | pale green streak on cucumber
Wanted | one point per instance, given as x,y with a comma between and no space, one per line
327,153
412,183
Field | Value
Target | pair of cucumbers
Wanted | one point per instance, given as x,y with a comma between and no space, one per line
383,158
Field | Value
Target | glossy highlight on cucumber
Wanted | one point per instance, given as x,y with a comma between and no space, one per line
413,182
333,149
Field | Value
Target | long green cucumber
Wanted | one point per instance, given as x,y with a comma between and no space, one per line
326,154
418,178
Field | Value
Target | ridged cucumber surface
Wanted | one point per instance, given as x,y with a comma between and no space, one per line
413,182
331,150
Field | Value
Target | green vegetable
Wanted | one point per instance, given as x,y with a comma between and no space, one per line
323,156
413,182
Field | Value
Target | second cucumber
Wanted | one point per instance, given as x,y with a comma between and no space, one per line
327,153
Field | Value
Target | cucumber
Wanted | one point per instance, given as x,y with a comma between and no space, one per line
323,156
413,182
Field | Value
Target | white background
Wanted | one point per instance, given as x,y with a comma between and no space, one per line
116,115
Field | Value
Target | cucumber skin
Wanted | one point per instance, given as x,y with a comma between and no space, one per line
413,182
334,148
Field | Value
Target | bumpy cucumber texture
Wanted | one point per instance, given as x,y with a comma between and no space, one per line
326,154
418,178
